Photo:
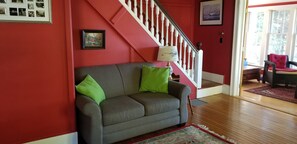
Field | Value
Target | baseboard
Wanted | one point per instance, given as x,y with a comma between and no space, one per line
226,89
209,91
70,138
213,77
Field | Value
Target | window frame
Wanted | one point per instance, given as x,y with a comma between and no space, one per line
291,44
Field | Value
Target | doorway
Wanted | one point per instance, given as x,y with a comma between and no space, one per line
237,57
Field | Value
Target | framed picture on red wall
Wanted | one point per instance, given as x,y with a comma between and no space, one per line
211,12
36,11
93,39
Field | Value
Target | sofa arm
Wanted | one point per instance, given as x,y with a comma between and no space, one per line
182,92
89,120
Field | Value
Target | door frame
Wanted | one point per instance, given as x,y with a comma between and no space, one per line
237,46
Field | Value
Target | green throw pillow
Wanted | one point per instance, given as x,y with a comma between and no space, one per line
91,88
154,79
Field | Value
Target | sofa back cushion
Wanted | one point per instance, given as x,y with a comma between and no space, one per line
107,76
131,75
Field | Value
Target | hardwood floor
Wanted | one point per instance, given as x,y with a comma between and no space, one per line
245,122
276,104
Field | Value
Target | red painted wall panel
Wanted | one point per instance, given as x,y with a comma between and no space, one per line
117,50
35,101
217,56
183,13
124,40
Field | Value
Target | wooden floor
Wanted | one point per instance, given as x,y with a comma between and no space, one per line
245,122
273,103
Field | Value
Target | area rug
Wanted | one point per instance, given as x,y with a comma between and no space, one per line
197,102
279,92
192,134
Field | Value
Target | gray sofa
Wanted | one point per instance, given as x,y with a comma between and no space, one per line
126,112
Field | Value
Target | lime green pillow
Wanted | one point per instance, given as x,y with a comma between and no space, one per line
89,87
154,79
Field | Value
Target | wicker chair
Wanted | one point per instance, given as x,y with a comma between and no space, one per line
277,70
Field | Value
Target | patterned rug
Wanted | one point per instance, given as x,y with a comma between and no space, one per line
279,92
192,134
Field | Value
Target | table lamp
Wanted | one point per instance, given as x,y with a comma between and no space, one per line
168,54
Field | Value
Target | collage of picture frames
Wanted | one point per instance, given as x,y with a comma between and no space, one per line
22,8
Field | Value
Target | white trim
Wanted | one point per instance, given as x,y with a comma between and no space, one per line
239,18
70,138
226,89
209,91
213,77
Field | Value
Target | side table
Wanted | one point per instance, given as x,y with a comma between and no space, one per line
177,78
251,72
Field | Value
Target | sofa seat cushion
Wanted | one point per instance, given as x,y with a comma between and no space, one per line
155,103
120,109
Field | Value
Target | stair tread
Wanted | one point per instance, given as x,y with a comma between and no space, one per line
207,84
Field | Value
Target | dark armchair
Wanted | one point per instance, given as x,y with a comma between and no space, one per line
277,70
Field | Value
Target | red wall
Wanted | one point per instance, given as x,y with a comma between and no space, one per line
37,66
183,13
126,41
117,50
36,101
217,56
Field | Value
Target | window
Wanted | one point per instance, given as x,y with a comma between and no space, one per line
277,40
254,37
270,31
295,43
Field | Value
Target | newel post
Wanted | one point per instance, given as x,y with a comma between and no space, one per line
198,68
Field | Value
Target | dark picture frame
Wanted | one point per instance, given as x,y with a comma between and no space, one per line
211,12
93,39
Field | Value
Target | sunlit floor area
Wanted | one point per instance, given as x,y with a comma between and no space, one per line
245,122
284,106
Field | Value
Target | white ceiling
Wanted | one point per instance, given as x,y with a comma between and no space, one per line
257,2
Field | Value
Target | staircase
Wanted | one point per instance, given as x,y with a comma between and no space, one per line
164,31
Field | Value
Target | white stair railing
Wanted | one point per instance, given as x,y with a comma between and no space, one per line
163,30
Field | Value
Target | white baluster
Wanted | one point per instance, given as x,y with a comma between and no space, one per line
152,15
167,32
180,51
162,29
193,61
146,14
141,12
129,4
189,60
176,37
171,30
135,7
157,22
184,58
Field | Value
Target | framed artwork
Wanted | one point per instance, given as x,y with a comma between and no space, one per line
211,12
25,11
93,39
